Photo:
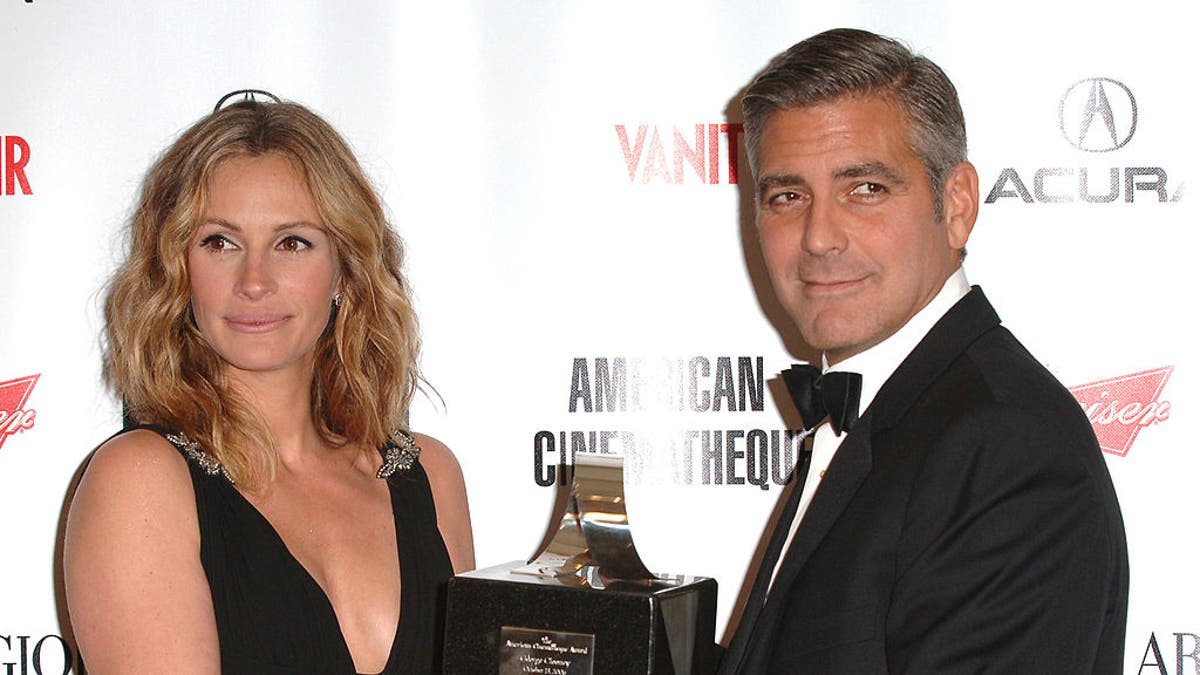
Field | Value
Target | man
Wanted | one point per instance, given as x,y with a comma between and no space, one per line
965,522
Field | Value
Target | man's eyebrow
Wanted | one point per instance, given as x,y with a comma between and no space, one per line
779,180
871,170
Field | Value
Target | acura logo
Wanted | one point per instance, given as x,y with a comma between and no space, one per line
1098,115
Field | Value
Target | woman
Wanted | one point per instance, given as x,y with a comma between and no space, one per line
262,337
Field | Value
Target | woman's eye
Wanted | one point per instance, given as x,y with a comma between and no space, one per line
216,242
294,244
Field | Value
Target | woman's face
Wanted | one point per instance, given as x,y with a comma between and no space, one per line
262,269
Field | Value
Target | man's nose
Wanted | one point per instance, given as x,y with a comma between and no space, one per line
824,230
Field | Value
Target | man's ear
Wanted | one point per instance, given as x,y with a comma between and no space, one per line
960,199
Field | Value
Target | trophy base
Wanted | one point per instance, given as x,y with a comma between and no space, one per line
501,621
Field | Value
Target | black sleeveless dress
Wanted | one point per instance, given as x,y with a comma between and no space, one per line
272,616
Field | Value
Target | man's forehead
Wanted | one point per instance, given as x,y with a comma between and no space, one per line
847,138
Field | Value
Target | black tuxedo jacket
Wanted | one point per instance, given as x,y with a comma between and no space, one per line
967,524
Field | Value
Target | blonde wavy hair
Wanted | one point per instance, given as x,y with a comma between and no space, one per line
163,369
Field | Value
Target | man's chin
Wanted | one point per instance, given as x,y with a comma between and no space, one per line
836,345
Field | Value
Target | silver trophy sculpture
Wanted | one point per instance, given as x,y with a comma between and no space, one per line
585,604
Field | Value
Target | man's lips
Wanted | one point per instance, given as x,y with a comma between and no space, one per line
828,286
256,323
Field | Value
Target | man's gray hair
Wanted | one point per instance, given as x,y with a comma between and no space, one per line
846,62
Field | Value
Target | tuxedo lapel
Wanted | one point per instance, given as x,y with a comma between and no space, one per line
762,580
845,474
967,320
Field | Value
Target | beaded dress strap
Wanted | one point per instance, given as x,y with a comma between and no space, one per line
399,453
194,452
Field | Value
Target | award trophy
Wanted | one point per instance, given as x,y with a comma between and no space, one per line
585,605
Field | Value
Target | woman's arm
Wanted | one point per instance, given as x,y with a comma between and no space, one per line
136,592
450,500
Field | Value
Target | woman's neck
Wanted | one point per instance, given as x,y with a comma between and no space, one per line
284,400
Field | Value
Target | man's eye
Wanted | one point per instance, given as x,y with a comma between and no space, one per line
783,198
868,189
294,244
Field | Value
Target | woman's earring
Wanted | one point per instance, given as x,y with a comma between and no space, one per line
337,299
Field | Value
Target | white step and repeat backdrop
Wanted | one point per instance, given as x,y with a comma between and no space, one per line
570,182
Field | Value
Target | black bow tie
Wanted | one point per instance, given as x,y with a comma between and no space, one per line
834,394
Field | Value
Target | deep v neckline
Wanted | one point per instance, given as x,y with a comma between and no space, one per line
253,576
309,579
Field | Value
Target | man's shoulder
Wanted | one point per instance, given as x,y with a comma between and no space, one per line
997,387
983,360
1011,374
971,373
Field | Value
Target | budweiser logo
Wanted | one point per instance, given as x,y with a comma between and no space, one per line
14,416
1120,407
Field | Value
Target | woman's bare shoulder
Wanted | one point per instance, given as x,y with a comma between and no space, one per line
437,458
136,483
133,456
450,500
131,560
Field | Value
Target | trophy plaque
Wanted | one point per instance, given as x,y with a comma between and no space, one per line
586,604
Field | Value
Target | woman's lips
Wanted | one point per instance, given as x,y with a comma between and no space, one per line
256,323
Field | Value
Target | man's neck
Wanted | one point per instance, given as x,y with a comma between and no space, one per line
877,363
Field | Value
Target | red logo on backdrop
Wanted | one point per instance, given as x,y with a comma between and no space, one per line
14,416
14,155
1120,407
700,153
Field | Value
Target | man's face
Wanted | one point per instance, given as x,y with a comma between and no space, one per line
846,221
